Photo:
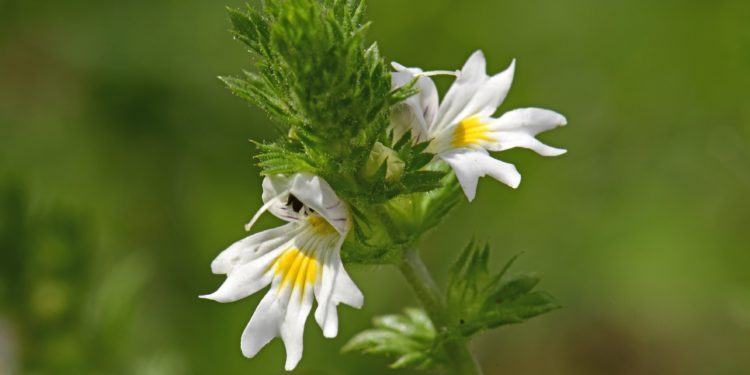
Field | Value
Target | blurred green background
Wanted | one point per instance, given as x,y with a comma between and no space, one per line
125,167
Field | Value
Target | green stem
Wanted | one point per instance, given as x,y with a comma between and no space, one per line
460,359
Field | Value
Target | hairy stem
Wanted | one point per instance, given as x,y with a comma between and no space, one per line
460,359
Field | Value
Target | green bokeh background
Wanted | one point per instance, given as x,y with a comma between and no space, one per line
125,167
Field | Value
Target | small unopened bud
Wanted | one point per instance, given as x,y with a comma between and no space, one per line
382,154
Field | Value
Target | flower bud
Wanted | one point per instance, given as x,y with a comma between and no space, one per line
382,154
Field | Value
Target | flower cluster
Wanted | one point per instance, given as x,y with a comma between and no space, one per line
318,181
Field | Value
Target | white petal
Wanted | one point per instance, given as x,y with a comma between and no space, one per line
428,99
401,78
264,325
470,164
417,113
246,279
517,128
531,120
473,93
471,77
404,119
274,186
401,68
475,67
345,291
407,116
508,140
334,287
283,311
276,194
315,193
493,92
293,328
323,294
252,247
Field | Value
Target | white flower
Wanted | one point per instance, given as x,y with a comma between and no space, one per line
299,259
462,129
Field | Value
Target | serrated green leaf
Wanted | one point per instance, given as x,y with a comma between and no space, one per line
519,310
380,341
421,320
414,324
414,359
480,301
515,287
410,337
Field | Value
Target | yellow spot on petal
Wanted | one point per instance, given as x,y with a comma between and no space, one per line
320,225
470,132
297,268
312,272
285,261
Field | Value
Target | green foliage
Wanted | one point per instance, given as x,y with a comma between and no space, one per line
329,92
436,204
475,301
385,230
478,300
409,337
412,175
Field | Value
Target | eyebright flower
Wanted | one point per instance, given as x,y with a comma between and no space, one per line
462,129
299,259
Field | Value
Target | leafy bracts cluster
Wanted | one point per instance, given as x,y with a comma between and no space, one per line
476,300
330,93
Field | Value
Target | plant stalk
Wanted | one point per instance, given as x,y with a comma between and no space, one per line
460,359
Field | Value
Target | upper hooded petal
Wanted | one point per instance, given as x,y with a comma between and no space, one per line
424,105
474,93
275,195
313,192
407,116
471,164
